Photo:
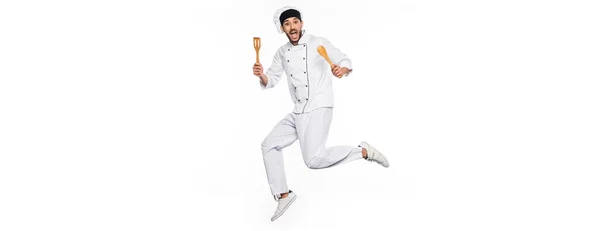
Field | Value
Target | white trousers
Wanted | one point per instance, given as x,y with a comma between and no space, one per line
311,130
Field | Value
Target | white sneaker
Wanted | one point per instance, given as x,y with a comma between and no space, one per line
374,155
284,203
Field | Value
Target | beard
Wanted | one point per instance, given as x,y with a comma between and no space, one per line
294,35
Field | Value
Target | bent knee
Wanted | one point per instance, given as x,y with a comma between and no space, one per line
267,145
315,162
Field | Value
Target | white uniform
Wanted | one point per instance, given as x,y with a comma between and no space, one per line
309,81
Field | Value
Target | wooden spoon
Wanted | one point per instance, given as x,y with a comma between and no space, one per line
323,53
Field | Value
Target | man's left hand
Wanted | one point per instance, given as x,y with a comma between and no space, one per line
339,72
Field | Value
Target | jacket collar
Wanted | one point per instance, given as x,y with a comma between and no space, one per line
304,39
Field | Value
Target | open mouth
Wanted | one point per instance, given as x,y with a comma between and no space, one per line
294,34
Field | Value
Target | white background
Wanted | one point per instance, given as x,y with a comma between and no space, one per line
144,115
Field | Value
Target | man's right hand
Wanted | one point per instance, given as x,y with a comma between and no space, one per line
258,70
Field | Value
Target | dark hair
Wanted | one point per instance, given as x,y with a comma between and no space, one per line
288,14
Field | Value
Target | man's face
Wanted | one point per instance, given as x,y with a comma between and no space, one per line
292,28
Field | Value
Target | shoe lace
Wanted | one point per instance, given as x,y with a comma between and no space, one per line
372,158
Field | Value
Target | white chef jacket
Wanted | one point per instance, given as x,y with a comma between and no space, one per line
308,73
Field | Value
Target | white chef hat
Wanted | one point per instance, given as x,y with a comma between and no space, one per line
278,14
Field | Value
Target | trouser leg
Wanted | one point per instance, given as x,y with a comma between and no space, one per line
313,129
281,136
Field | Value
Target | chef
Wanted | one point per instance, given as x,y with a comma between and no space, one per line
309,84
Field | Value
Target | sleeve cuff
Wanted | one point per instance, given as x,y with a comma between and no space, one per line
348,65
269,83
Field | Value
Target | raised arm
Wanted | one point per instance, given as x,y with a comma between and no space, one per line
273,75
342,64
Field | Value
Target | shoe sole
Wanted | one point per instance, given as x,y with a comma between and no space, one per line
284,208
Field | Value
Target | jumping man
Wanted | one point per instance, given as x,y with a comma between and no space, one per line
311,91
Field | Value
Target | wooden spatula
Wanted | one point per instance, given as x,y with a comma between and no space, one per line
323,53
257,47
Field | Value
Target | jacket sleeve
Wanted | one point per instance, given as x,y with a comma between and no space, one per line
336,56
275,71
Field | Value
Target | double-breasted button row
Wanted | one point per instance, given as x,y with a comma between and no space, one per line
304,45
292,75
